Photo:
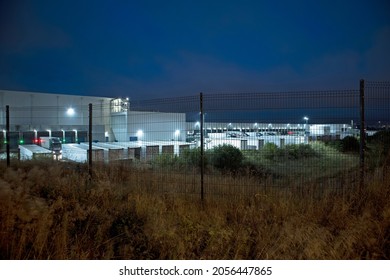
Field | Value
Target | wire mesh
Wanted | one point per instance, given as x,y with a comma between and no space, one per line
255,143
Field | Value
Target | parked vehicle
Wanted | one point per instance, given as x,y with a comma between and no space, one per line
270,133
29,152
53,144
237,134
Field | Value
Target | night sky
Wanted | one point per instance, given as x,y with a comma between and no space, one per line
155,49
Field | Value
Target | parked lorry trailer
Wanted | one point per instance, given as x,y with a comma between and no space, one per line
79,153
29,152
111,152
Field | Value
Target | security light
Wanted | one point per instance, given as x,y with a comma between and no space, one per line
70,112
140,133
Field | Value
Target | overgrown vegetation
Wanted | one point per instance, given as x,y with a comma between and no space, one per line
348,144
271,160
48,212
52,211
378,147
226,158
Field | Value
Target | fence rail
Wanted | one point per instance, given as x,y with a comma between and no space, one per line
228,144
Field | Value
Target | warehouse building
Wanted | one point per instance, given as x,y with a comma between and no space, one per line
34,115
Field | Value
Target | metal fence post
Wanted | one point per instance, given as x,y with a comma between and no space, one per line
90,142
201,148
362,134
7,138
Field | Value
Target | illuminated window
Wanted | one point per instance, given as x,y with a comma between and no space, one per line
119,105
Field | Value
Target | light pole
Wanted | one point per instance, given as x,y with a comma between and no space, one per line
306,119
306,134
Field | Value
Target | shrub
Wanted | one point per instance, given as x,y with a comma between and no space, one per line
226,157
382,139
305,151
350,144
291,151
192,157
378,147
269,151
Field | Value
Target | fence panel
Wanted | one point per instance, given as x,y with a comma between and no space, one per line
377,108
254,143
288,141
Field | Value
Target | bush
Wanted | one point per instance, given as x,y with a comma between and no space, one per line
291,151
192,157
269,151
226,157
378,147
350,144
382,139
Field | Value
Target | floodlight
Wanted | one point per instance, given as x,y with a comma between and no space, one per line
70,112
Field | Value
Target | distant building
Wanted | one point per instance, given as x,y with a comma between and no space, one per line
34,115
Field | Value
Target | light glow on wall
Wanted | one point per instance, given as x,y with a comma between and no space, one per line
140,133
70,112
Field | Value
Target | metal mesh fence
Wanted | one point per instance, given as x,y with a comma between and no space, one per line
377,105
253,143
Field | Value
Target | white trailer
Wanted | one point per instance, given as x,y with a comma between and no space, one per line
112,152
29,152
79,153
133,149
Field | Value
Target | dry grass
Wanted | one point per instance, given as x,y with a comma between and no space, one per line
48,211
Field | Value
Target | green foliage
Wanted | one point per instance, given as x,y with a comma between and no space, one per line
293,151
193,157
382,139
378,147
189,158
271,151
350,144
226,158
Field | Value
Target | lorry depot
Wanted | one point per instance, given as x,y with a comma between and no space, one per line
57,125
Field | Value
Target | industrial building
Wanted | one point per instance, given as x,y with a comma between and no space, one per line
136,134
34,115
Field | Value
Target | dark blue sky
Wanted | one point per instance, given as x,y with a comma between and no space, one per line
148,49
